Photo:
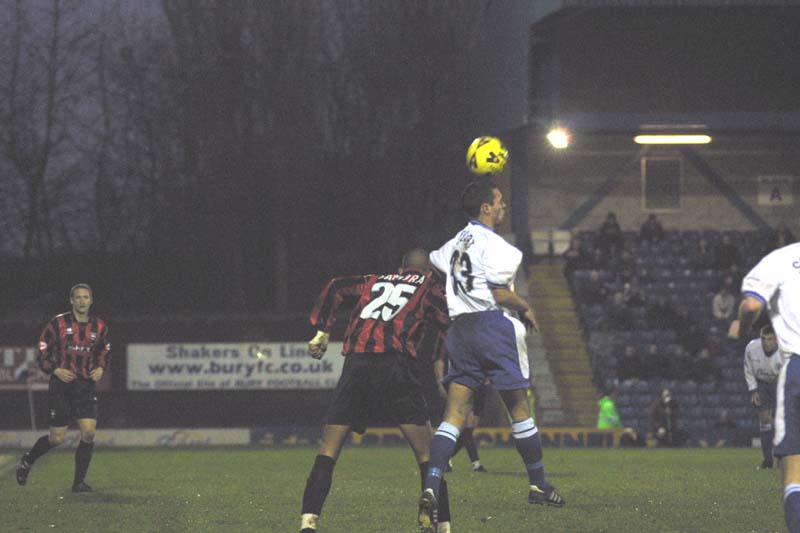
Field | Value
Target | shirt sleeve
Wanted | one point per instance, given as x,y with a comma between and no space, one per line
763,281
337,292
45,356
436,303
500,263
440,259
103,348
749,377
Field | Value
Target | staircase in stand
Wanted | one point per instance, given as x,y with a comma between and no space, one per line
564,349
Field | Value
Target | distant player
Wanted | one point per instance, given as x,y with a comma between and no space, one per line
762,365
485,340
74,349
774,284
466,439
390,313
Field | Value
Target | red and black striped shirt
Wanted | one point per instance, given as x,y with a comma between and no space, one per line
390,311
77,346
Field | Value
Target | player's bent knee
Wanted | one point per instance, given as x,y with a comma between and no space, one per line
56,439
87,436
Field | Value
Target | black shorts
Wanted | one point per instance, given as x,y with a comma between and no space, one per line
766,392
379,389
70,401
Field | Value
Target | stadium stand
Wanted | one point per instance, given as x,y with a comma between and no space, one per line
646,312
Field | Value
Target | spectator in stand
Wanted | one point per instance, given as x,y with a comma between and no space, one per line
625,265
680,364
620,317
664,414
782,237
632,294
704,369
575,257
723,305
727,253
610,234
597,259
652,230
594,291
629,366
656,362
703,257
732,279
690,332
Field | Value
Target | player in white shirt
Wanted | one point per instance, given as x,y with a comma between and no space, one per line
774,284
486,339
762,365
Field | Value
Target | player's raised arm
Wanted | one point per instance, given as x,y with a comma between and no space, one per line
337,292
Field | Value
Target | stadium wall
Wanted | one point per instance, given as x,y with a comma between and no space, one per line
575,188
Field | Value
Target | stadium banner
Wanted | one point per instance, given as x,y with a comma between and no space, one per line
145,438
231,366
18,369
776,190
485,437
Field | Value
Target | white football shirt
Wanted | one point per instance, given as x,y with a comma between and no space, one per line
775,281
476,260
757,366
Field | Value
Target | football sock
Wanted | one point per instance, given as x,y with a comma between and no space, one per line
442,446
39,449
791,506
83,456
529,446
767,434
318,485
469,444
443,500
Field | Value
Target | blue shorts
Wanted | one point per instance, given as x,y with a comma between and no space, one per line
787,409
766,392
489,345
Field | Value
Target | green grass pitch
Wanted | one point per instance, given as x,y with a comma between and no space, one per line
375,489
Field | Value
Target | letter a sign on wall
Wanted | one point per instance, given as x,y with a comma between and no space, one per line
775,190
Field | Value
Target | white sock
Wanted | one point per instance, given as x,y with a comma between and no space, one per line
309,520
476,464
444,527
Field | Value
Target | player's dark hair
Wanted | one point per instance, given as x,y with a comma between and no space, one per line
767,330
479,191
80,286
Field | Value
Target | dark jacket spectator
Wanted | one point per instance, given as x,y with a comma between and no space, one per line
593,292
703,257
703,369
727,253
620,316
609,236
629,365
664,415
596,259
652,230
632,294
781,237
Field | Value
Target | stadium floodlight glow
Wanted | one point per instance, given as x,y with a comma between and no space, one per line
671,139
558,138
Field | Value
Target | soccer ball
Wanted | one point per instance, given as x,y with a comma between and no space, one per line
486,155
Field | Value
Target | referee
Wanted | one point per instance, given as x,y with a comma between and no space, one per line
74,349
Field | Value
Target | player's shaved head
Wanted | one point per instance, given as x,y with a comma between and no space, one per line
767,330
416,258
479,191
